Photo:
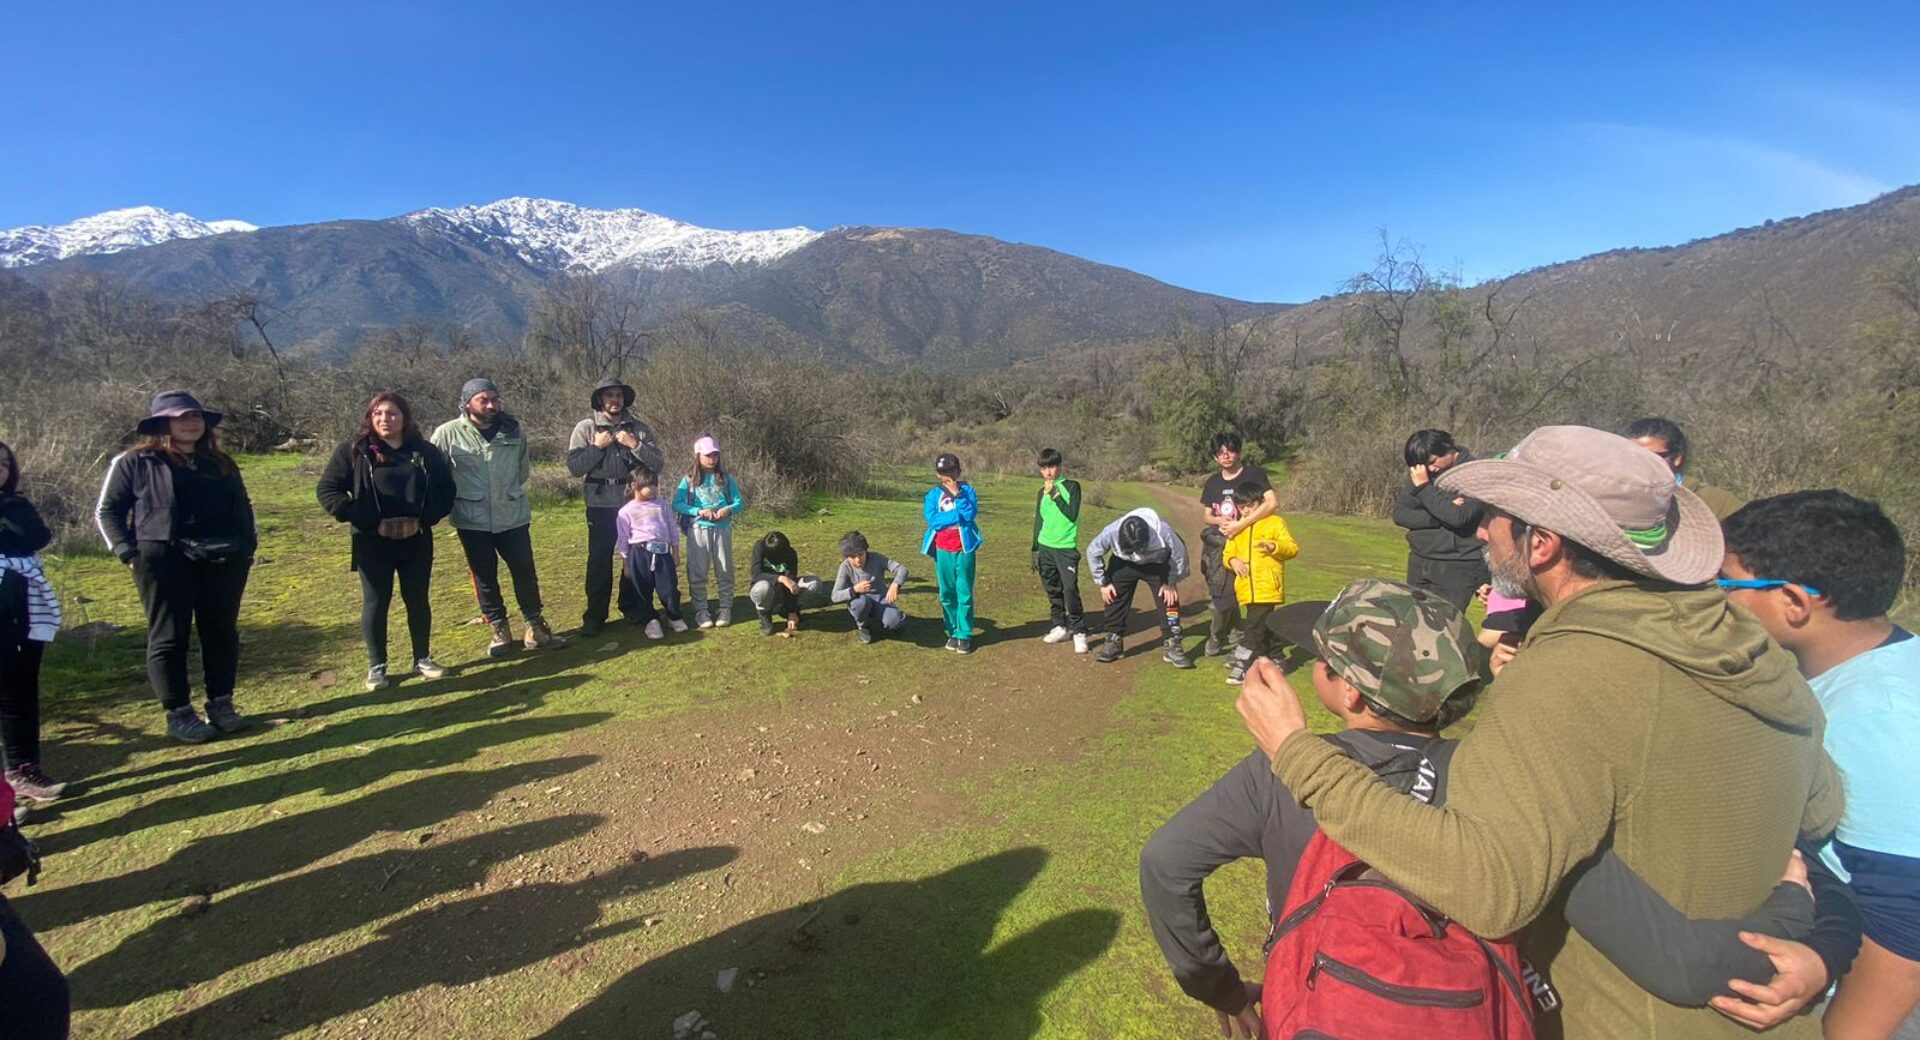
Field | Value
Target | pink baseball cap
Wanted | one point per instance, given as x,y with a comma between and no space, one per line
706,446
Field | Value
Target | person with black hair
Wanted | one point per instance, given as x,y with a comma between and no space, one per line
869,584
778,587
1821,570
646,534
1443,552
173,508
605,448
29,617
1223,519
1664,438
1056,550
1139,547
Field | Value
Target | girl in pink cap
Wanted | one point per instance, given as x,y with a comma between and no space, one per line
707,500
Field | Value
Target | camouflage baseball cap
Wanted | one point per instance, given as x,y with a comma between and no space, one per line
1405,649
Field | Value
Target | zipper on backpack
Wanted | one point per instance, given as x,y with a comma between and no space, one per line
1415,996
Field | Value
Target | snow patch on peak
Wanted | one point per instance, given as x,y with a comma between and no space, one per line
108,232
562,236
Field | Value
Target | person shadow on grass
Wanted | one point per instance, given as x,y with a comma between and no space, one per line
921,958
449,944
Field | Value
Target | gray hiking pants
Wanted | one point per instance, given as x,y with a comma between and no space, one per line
710,549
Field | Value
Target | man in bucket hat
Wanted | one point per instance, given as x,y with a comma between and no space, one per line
1643,715
604,450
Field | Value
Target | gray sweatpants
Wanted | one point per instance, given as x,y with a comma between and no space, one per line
710,549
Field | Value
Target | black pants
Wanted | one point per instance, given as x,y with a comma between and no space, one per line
600,536
648,573
20,698
380,560
484,553
1060,576
1220,590
1455,581
181,596
1258,637
1126,576
33,994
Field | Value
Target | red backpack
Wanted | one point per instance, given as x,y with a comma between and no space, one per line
1355,957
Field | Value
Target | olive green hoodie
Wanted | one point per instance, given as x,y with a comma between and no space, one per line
1661,721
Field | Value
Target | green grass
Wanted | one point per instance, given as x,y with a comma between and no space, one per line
457,858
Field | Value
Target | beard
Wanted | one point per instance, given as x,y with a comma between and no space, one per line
1509,577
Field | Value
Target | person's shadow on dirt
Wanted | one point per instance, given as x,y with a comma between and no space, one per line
918,958
449,944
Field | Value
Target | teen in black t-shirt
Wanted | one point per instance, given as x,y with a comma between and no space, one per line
1216,495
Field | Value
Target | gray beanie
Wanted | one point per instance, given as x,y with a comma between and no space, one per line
482,385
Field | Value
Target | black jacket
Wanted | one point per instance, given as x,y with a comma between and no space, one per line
137,504
22,533
1436,528
345,488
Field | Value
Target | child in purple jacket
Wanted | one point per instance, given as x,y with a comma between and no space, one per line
646,535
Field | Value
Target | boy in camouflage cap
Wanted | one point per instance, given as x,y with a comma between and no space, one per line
1407,653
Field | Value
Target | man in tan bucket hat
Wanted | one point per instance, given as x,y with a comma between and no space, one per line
1643,714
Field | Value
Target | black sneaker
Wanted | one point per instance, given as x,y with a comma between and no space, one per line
766,623
963,646
186,726
1236,675
224,716
866,634
952,643
1110,650
589,629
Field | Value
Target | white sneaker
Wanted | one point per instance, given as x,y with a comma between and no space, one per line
1079,642
725,618
429,668
1057,634
702,620
677,625
653,630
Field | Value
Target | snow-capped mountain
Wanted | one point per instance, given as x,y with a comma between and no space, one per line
560,236
108,232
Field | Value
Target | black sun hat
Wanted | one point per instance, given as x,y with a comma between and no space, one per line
171,404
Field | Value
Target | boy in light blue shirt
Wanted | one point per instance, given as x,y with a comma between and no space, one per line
1821,569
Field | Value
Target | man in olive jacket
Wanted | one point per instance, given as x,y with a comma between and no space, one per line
488,452
1643,714
606,447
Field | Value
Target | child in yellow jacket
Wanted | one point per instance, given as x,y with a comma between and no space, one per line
1257,556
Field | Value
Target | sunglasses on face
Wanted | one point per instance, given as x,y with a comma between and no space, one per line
1729,584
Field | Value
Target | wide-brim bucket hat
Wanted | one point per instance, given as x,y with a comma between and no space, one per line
171,404
1605,492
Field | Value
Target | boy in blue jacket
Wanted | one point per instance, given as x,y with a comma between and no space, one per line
951,539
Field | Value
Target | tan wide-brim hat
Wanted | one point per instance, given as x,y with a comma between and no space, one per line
1605,492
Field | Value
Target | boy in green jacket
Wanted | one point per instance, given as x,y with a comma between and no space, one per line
1056,550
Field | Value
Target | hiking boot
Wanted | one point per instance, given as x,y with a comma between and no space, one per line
377,677
429,668
1079,642
677,624
31,784
766,623
589,629
654,630
702,619
866,634
952,643
1056,634
540,637
725,618
186,726
963,647
1175,656
502,639
1111,650
224,716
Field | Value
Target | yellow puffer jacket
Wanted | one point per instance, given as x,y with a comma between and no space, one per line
1265,547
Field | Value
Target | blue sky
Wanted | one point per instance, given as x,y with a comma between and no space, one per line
1250,150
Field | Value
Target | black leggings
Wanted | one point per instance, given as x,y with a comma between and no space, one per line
20,698
180,596
379,560
33,994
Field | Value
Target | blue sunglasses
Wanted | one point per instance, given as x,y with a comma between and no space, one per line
1727,584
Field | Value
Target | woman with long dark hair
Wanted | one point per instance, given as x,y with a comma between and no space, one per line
392,485
1443,549
29,616
175,509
